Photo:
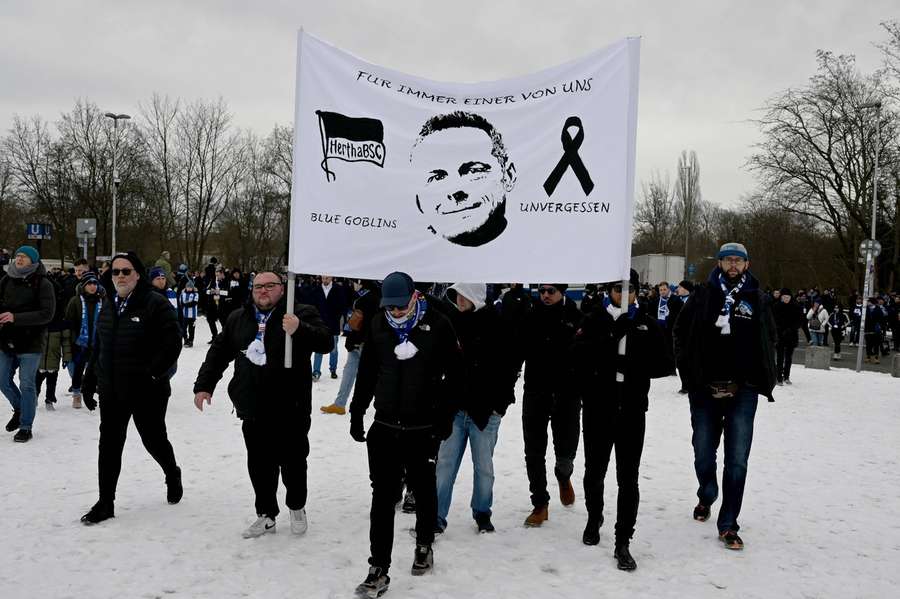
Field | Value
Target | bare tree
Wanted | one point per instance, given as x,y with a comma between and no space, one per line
165,161
654,217
817,154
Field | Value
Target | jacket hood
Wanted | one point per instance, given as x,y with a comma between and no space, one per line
474,292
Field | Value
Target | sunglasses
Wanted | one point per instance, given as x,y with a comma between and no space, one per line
122,271
547,290
267,286
392,307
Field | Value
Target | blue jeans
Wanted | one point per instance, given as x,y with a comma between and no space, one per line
24,397
710,418
348,377
332,359
450,456
818,338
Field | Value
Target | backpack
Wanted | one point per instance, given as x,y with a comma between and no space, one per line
815,324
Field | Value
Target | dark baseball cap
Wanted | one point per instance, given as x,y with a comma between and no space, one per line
397,289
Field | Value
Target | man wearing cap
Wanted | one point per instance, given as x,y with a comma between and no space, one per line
137,346
27,305
544,342
272,402
619,347
725,343
410,363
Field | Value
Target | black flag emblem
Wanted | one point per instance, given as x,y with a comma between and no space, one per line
351,139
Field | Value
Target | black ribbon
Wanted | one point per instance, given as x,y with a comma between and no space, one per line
570,158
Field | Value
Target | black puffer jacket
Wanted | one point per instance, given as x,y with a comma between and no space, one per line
418,392
489,374
259,391
746,356
789,319
136,349
544,343
32,300
596,358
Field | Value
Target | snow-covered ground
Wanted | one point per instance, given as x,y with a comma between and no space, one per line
821,514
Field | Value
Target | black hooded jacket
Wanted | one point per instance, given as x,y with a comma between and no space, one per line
544,342
260,391
32,300
746,356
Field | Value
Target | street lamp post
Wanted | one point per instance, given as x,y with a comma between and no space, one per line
686,196
115,182
868,283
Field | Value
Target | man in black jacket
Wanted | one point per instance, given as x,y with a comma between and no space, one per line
665,308
138,344
27,305
272,401
618,349
725,342
332,302
488,379
789,319
410,364
544,343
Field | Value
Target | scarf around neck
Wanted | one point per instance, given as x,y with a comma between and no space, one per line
403,326
724,320
662,312
21,273
86,338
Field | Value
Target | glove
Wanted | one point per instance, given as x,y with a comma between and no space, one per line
90,403
357,430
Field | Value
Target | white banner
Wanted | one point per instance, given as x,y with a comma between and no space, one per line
520,180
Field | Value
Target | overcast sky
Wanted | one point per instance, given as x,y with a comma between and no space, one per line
706,67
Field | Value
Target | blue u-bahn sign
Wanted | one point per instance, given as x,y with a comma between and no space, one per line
38,231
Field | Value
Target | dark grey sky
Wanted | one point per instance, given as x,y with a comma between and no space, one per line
706,67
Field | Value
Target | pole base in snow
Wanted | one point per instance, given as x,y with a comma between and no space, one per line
895,366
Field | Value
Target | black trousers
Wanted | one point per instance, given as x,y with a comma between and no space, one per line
390,452
188,329
149,415
278,445
211,319
784,358
561,411
838,337
606,427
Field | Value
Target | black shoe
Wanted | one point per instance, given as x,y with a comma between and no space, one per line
100,512
423,560
624,561
174,490
591,534
701,513
333,374
375,584
731,540
13,423
315,377
49,406
483,520
409,503
23,436
683,391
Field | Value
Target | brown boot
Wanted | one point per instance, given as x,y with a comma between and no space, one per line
76,401
566,492
538,516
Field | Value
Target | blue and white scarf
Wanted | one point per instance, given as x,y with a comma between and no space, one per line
724,320
189,297
121,303
662,313
256,351
83,334
404,326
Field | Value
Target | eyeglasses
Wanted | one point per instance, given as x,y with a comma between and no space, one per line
125,272
403,307
733,260
547,290
267,286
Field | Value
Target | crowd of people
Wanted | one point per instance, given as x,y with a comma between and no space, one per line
439,362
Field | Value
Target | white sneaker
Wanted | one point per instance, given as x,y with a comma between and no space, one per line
298,521
263,525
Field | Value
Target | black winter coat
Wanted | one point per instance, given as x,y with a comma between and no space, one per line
544,343
135,350
789,319
704,355
419,392
32,301
675,304
260,391
488,372
332,308
596,358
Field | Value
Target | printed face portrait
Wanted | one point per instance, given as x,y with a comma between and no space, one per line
463,175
